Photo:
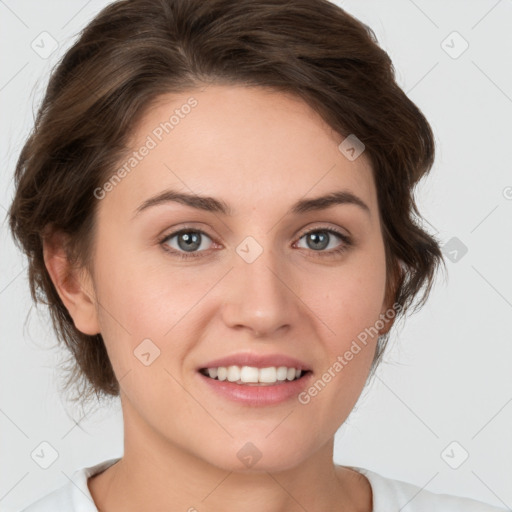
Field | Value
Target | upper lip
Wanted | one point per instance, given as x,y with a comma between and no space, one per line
257,361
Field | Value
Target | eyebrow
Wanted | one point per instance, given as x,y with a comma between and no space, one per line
211,204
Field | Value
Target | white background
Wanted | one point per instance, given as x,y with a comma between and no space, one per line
447,376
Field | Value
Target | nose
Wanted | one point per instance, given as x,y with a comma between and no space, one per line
260,297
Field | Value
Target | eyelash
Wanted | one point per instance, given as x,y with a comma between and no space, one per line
347,243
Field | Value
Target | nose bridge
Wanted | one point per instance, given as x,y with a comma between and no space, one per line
261,299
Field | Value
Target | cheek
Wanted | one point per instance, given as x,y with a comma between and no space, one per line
134,292
354,296
128,309
140,300
351,308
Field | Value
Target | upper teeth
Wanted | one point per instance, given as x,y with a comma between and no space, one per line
253,374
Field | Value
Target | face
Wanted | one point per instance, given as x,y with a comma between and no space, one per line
260,278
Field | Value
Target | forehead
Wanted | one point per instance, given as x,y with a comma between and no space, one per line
239,143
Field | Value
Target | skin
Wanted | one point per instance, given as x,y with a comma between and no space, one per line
259,151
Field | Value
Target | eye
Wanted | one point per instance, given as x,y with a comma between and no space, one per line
187,240
319,239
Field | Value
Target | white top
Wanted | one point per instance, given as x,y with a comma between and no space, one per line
388,495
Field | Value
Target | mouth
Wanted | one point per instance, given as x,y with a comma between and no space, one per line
253,376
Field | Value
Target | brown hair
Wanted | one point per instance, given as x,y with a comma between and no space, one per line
133,51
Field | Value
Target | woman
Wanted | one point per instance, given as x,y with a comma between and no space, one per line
217,203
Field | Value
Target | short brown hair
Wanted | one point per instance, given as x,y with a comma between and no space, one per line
134,51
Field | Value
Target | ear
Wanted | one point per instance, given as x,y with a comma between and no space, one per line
75,287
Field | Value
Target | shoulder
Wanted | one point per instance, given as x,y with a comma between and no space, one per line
74,496
388,493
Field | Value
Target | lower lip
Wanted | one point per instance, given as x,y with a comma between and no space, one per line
258,395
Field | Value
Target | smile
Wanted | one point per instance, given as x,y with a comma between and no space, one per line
252,375
228,383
